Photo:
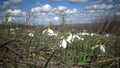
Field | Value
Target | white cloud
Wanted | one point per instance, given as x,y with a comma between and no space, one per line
64,10
100,11
90,11
50,13
96,2
56,18
77,1
38,14
15,1
44,8
5,5
61,8
68,11
73,11
16,12
95,11
36,9
100,6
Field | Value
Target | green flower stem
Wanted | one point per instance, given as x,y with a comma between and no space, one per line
38,48
66,56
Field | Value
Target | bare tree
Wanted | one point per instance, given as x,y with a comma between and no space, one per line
27,18
108,24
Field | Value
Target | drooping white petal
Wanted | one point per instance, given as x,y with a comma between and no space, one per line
12,29
92,34
87,34
82,39
84,34
50,31
95,47
76,36
54,34
31,34
11,19
44,31
102,48
69,38
50,34
107,35
63,43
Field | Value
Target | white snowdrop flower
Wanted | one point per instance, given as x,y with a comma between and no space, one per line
69,38
31,34
63,43
82,39
17,28
92,34
84,34
102,48
76,36
49,32
108,35
10,19
12,29
52,34
87,34
44,31
95,47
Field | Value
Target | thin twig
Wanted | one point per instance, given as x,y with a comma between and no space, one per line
108,60
49,60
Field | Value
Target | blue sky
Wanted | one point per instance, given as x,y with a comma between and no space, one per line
50,11
28,4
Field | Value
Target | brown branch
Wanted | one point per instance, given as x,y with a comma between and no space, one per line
49,60
107,25
6,43
8,48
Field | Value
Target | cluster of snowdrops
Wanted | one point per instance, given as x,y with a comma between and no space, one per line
69,43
